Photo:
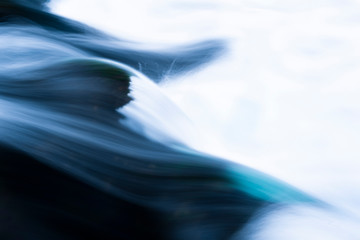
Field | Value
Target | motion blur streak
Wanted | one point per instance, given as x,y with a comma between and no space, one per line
80,158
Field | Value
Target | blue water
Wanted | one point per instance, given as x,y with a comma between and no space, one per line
91,146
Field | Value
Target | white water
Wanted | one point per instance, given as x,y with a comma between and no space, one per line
163,122
283,100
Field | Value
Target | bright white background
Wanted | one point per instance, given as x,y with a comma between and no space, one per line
284,99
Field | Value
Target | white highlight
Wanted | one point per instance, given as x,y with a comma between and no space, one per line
285,100
301,222
162,122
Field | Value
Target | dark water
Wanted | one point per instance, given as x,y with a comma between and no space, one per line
70,168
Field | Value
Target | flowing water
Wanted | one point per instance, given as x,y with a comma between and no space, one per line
145,119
